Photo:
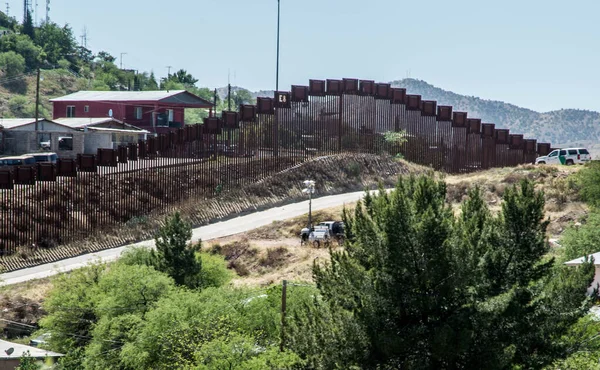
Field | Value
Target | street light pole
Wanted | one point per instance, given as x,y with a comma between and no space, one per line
310,189
277,68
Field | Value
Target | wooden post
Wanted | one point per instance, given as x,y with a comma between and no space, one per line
283,309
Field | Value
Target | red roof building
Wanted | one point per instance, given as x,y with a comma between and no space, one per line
155,111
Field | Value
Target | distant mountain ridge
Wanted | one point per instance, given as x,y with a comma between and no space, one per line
557,127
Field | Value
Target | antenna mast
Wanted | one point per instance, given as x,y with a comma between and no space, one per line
25,9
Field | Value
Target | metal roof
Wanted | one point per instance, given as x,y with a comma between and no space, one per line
83,122
20,349
579,261
10,123
171,96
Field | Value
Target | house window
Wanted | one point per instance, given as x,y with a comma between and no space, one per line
138,112
86,108
170,112
70,111
65,142
114,138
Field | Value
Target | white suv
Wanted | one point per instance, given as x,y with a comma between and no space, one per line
568,156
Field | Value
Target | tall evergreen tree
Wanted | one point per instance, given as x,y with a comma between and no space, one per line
173,255
433,290
28,26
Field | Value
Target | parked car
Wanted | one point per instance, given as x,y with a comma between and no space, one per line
22,160
44,157
568,156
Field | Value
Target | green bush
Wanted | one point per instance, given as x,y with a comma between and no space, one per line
579,241
588,180
12,63
214,270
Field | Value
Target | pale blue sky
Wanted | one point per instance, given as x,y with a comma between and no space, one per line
539,54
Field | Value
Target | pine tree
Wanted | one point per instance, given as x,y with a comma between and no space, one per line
28,26
435,290
174,257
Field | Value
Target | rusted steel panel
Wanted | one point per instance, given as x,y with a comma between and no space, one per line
382,91
367,87
459,119
413,102
46,172
106,157
334,87
132,152
247,113
230,120
543,149
316,87
398,95
122,154
66,167
299,94
444,113
350,86
265,106
24,175
87,162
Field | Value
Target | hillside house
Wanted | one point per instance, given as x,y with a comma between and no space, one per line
596,257
67,137
155,111
10,355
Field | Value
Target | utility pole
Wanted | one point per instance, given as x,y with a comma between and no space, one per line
229,97
25,9
84,40
35,21
283,312
169,71
37,99
7,9
277,68
47,11
122,59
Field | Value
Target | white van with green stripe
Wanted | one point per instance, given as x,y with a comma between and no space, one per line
568,156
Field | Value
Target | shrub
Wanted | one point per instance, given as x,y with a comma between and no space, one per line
274,258
214,270
588,180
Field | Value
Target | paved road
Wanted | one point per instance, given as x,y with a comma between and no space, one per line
212,231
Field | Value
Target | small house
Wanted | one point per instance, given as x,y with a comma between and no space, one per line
11,353
578,261
155,111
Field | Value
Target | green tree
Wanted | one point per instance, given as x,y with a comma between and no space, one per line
12,63
183,77
435,291
175,258
24,46
588,180
579,241
27,28
57,43
71,308
238,97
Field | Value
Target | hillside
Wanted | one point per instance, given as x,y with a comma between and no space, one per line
562,127
53,83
